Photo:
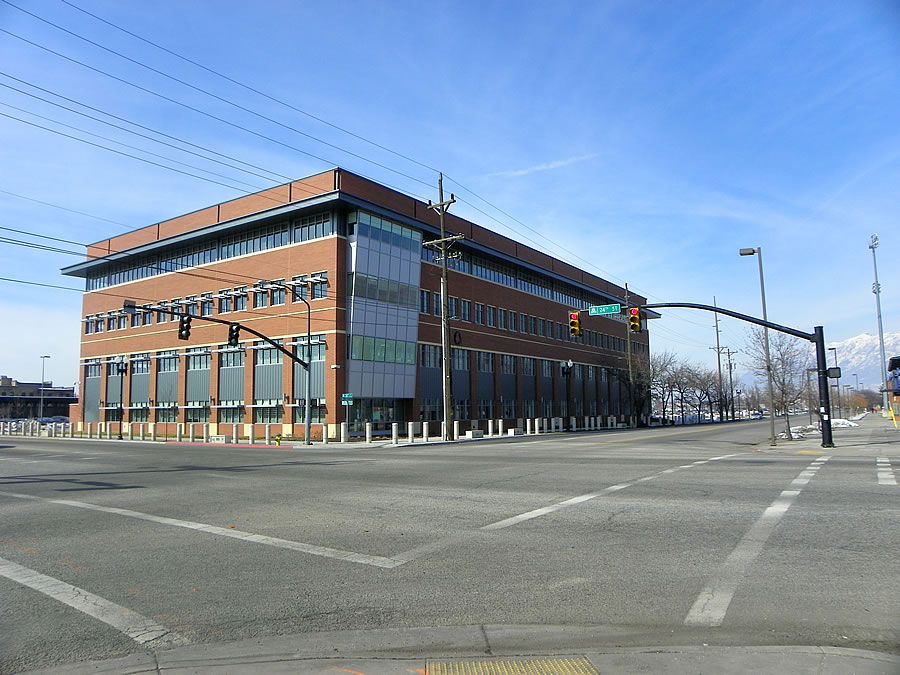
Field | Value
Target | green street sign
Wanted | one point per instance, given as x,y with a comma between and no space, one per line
602,310
346,397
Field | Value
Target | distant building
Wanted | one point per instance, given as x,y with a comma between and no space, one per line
22,400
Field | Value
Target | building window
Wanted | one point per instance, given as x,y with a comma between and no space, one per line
135,320
485,362
527,366
508,364
317,411
320,288
479,313
278,292
425,302
206,304
509,409
231,415
546,368
466,307
533,330
461,409
501,319
492,317
459,358
196,414
540,327
270,414
301,289
453,306
485,409
523,322
512,321
147,317
141,414
167,414
167,362
240,299
224,302
260,298
430,356
189,306
437,304
110,323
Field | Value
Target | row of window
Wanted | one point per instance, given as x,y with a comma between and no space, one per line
266,294
384,290
251,240
430,357
519,322
382,350
364,224
514,277
262,414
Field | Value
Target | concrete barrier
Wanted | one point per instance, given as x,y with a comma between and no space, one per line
219,440
515,431
474,433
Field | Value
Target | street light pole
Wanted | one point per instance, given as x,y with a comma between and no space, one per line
41,409
757,251
876,289
121,369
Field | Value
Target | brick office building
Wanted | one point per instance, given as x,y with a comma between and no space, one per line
375,325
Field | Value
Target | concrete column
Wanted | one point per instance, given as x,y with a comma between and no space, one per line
425,431
528,426
252,435
455,430
130,431
345,432
411,432
395,433
236,433
152,431
268,434
142,432
500,425
190,432
324,434
108,427
573,422
490,429
368,432
206,433
179,432
586,425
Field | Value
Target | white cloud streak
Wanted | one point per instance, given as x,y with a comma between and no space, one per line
547,166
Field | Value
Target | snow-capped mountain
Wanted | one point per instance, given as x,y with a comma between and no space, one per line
860,355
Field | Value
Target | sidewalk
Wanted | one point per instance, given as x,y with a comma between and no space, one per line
520,649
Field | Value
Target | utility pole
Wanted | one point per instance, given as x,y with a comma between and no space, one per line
718,349
876,289
630,373
728,354
443,246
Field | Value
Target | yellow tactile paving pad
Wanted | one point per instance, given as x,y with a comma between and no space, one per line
538,666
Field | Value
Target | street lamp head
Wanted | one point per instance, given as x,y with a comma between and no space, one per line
748,251
873,242
45,356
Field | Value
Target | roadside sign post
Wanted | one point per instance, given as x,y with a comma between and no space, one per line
347,402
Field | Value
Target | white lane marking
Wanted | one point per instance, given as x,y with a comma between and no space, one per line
711,605
530,515
312,549
139,628
885,473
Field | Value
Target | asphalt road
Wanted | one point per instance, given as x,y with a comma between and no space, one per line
687,536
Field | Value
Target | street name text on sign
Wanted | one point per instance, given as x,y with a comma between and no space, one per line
601,310
346,399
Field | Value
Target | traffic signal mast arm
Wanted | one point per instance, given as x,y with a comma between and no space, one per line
130,307
817,337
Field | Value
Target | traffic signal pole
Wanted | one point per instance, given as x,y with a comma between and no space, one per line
817,337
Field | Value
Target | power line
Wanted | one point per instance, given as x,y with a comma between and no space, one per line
130,147
254,90
63,208
133,123
212,95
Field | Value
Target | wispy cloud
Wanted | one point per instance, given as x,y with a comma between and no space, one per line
547,166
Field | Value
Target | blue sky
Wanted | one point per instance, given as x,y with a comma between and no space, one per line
651,140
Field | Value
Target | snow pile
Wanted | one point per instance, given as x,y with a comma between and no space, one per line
841,423
856,418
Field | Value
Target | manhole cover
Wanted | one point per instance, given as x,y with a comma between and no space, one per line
538,666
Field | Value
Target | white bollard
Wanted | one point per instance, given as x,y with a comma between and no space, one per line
191,433
268,434
528,427
455,430
236,433
573,423
324,434
490,431
411,432
206,433
179,433
368,432
252,436
425,431
153,432
142,432
443,430
130,431
345,432
585,423
108,428
395,433
500,425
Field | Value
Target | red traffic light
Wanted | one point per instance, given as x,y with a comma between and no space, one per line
634,311
573,316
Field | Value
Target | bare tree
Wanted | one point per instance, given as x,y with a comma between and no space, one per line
662,366
790,359
704,383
